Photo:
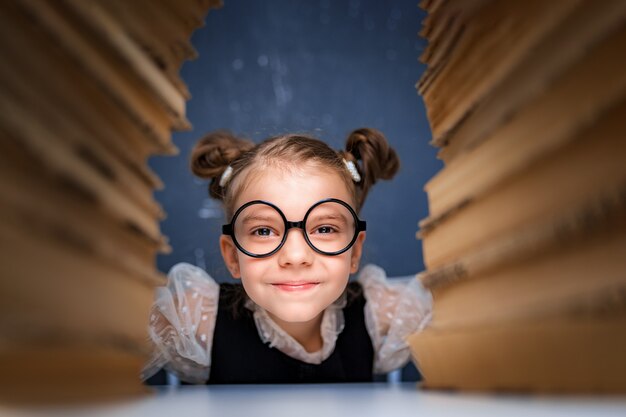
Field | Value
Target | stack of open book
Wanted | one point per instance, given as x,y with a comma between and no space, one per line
525,243
90,90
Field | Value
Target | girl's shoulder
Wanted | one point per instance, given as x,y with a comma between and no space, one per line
395,308
188,281
183,272
372,275
188,278
374,280
182,323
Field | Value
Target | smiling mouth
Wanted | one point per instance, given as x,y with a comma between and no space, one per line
295,286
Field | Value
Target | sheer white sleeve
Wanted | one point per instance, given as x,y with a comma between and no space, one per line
395,308
182,321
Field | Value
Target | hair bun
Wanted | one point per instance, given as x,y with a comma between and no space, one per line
378,159
213,153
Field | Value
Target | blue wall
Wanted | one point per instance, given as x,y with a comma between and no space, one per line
320,67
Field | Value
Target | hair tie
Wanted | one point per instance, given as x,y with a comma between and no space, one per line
352,170
226,176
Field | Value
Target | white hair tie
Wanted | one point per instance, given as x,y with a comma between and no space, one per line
226,176
352,169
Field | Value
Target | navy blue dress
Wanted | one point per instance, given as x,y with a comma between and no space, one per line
239,356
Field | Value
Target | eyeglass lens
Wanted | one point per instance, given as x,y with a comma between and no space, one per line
260,229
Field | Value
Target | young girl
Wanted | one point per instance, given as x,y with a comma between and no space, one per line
293,238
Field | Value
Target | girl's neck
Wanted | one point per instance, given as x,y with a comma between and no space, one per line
308,334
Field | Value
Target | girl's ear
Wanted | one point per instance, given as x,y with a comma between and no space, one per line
357,251
229,253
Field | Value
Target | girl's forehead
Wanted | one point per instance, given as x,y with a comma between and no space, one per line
293,189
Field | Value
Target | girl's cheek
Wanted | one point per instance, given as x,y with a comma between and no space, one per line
253,268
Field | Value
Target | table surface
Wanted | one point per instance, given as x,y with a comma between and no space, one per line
329,400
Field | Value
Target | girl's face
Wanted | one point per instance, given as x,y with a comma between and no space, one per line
295,284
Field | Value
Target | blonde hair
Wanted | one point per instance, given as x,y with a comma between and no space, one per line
215,152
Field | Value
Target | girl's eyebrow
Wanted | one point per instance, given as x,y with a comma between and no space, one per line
332,216
256,217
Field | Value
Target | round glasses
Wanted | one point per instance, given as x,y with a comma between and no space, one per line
259,229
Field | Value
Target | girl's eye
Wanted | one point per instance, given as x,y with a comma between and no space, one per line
324,229
262,231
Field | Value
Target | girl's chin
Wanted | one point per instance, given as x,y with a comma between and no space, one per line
291,316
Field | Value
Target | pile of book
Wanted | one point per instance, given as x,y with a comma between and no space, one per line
525,243
89,91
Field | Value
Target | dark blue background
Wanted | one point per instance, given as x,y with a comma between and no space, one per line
318,67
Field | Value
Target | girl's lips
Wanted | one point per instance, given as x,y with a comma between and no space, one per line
295,286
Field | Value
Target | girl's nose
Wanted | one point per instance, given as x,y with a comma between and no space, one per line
295,251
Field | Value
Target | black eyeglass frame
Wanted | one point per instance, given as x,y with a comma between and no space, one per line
229,229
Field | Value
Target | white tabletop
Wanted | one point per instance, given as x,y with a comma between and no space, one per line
342,400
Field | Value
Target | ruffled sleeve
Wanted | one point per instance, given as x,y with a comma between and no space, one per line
182,322
394,309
